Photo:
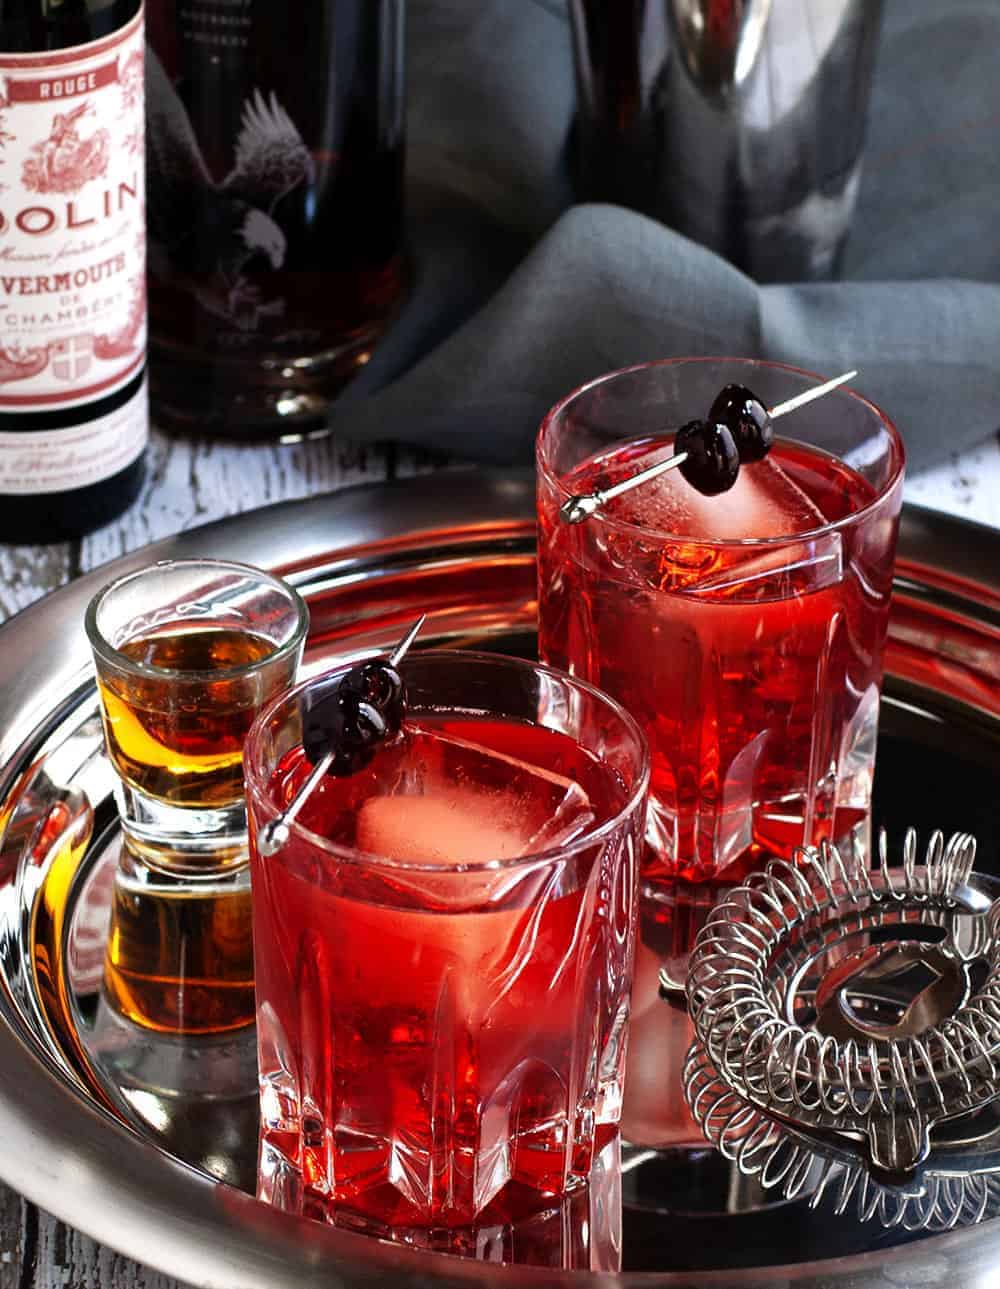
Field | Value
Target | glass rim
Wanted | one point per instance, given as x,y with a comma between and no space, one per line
108,653
256,783
549,421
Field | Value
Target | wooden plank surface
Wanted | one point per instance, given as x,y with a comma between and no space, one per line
190,483
967,485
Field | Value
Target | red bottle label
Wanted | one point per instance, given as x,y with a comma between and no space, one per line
72,222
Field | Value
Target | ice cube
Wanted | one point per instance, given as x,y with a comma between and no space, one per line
451,826
662,504
462,802
779,501
764,502
456,803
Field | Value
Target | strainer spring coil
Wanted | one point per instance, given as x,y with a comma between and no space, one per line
750,954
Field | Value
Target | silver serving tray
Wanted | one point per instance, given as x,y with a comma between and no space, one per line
163,1185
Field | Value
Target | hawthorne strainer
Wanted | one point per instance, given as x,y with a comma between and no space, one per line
856,1007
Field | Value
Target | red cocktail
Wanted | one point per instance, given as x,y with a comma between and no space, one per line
444,950
744,631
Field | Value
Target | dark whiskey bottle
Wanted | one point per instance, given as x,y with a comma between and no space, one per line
73,407
275,194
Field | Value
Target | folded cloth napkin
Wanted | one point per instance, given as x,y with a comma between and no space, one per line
517,298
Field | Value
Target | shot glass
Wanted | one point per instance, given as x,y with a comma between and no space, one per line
444,951
187,652
744,631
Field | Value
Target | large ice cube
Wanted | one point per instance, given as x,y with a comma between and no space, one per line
454,803
764,502
445,826
461,802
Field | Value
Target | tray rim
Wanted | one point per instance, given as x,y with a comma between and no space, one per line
91,1171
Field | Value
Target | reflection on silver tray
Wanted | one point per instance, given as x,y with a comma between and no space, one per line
101,1129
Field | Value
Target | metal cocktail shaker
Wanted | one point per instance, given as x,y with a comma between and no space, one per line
738,122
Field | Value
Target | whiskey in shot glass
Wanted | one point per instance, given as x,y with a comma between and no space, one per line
187,652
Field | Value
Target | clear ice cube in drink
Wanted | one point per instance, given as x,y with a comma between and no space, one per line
459,802
764,502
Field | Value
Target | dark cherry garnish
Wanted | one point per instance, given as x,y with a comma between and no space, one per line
364,710
746,418
713,461
342,728
378,683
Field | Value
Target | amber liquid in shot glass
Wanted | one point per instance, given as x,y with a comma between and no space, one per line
190,752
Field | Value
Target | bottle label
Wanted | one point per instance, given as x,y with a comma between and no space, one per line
45,461
72,223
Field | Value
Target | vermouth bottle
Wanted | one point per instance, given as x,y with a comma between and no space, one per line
275,197
73,406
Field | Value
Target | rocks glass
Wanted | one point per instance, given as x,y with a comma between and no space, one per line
743,631
444,951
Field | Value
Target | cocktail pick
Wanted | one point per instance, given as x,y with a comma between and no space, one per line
709,452
355,686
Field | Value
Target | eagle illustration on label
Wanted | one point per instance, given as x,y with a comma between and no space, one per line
204,233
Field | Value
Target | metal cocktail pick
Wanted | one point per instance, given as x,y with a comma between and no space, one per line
276,832
576,509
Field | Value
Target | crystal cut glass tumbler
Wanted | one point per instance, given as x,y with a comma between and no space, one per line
444,950
744,631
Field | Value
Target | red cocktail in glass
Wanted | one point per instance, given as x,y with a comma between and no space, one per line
444,950
744,631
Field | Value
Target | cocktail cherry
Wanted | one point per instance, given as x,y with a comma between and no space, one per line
711,457
342,730
364,710
738,431
746,418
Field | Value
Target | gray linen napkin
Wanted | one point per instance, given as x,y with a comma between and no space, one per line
918,310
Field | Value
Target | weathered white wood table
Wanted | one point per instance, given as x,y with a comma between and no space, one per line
190,483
